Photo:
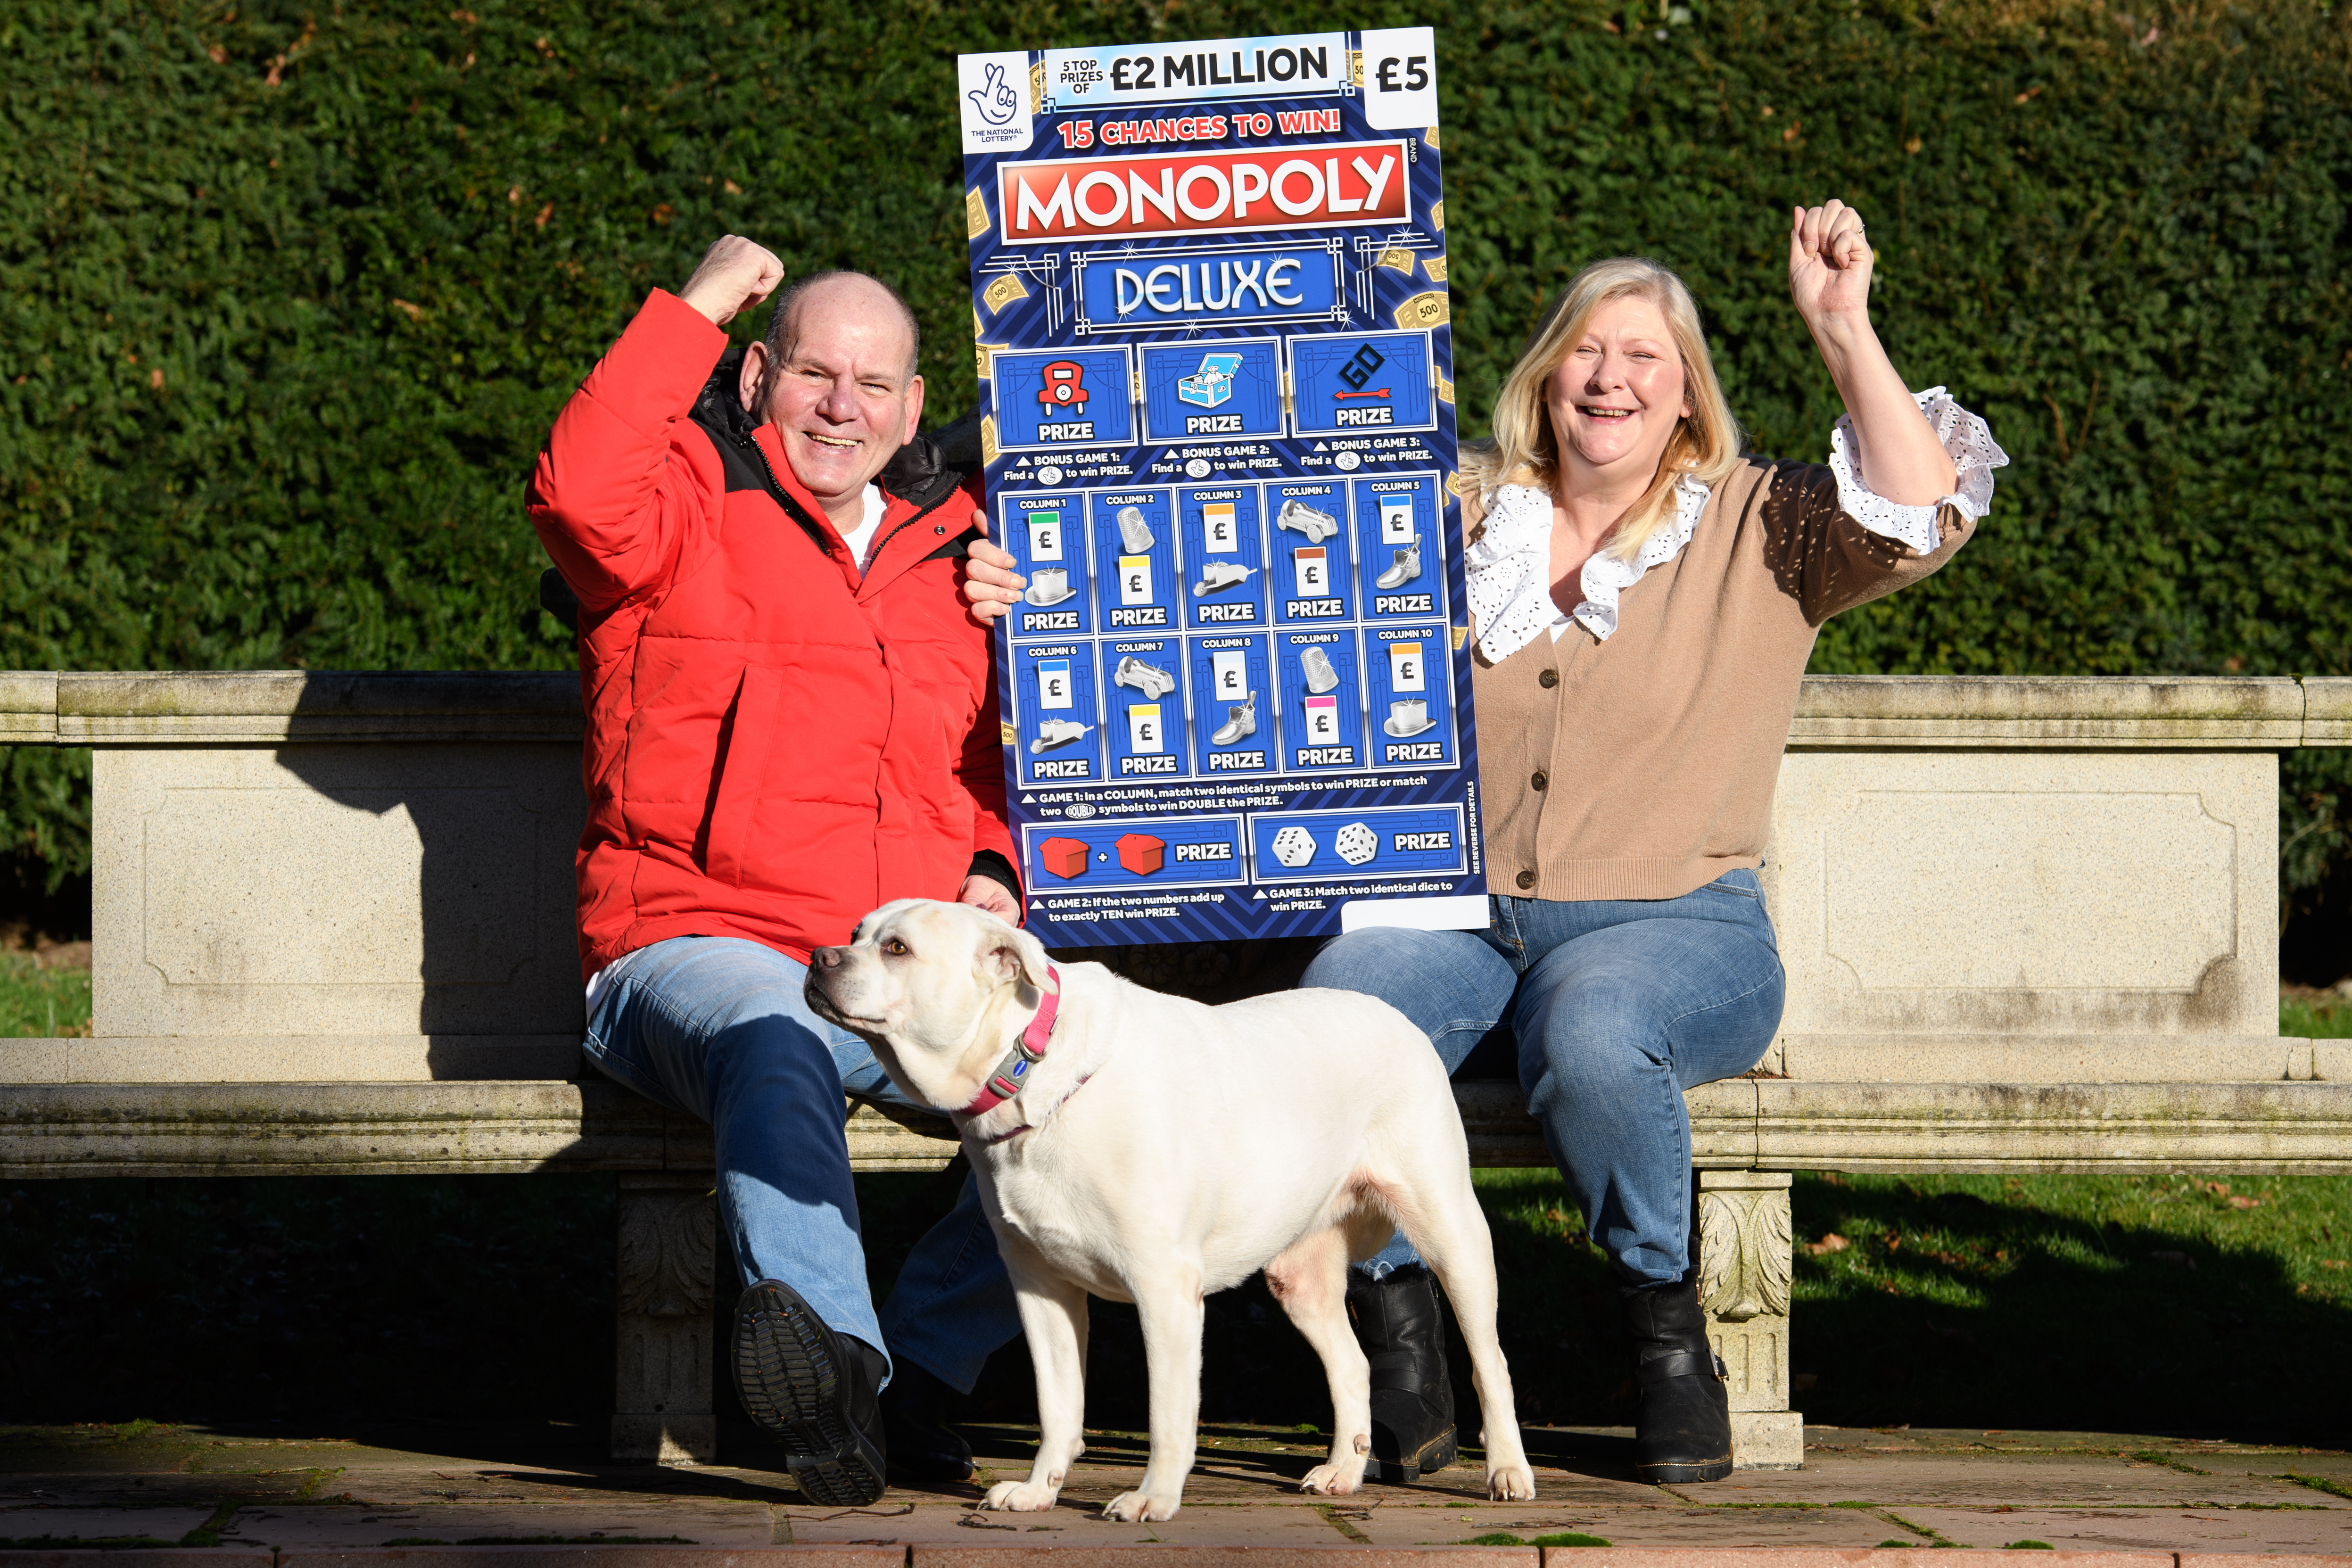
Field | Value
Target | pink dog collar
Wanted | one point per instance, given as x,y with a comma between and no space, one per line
1008,1079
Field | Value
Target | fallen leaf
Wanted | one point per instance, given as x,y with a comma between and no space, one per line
544,214
415,312
2324,1263
155,379
1832,1242
217,55
2242,1202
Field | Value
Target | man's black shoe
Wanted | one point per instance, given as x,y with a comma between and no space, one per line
814,1389
1681,1431
924,1450
1401,1329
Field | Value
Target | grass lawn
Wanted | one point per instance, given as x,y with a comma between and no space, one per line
2308,1014
2139,1304
35,1000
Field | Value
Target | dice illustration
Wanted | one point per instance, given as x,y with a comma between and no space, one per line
1294,847
1357,843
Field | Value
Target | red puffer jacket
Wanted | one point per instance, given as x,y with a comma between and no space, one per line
775,745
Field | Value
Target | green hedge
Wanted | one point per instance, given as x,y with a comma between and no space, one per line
289,293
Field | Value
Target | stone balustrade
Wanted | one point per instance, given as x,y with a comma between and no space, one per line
2028,924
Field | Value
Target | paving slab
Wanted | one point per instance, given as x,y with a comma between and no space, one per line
1662,1524
1245,1556
2309,1463
588,1557
694,1522
335,1499
1807,1557
152,1557
1078,1526
1990,1478
59,1526
2160,1529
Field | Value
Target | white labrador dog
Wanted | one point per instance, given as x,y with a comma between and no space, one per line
1147,1149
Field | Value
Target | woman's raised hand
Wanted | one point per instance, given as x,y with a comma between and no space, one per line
1829,275
1829,265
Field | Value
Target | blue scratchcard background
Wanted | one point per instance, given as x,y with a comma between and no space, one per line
1209,304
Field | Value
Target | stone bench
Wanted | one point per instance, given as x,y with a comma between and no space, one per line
2029,925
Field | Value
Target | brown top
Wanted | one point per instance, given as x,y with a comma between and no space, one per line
1643,766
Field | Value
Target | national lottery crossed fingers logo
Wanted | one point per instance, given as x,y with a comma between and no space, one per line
1213,340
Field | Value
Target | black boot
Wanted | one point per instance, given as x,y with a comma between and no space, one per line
1402,1331
924,1450
817,1390
1682,1429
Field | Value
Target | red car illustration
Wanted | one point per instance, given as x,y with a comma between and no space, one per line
1062,388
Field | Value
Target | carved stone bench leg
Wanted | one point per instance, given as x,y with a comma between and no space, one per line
1745,1259
668,1246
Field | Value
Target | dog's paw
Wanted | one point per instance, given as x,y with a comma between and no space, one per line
1335,1480
1019,1497
1138,1508
1511,1483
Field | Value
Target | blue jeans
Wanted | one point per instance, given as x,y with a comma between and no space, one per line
717,1027
1609,1009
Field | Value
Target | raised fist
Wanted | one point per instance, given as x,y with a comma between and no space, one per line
1829,262
733,273
997,101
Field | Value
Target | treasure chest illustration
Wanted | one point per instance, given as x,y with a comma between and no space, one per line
1212,385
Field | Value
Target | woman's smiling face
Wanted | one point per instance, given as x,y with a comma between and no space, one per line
1615,399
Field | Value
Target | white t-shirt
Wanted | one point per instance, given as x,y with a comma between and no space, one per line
861,539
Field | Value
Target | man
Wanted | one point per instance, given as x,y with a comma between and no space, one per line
791,719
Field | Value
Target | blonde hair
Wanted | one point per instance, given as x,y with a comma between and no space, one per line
1524,450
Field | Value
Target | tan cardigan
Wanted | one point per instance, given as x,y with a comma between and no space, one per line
1642,767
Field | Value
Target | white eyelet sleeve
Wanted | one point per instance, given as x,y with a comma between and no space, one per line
1968,440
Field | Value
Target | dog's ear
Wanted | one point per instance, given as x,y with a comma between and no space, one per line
1009,954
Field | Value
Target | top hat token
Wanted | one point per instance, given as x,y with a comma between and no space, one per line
1051,588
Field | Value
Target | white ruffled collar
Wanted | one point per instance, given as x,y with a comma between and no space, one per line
1509,569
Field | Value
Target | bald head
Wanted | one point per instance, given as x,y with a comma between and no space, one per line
837,377
822,294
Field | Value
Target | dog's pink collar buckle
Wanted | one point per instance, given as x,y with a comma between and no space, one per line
1012,1074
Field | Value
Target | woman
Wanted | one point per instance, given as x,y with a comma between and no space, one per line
1644,600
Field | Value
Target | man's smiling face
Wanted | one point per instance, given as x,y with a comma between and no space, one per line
843,396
